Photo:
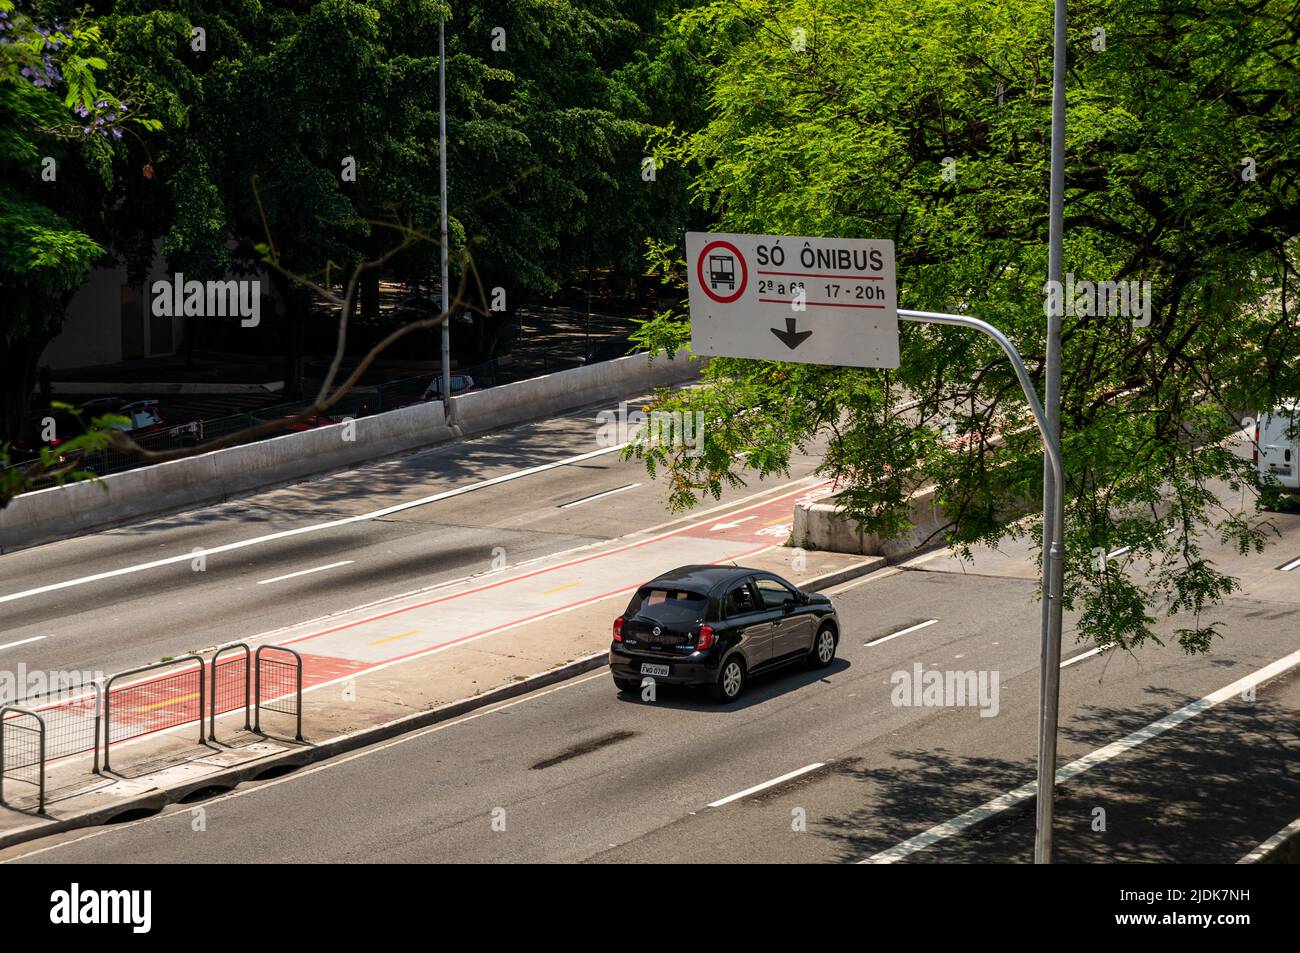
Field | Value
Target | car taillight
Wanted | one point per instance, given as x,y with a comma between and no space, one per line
618,629
1254,452
705,641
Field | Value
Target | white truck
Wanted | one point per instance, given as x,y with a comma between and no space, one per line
1276,454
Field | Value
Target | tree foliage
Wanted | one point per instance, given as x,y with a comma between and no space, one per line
1169,113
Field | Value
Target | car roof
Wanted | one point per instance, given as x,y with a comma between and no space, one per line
704,578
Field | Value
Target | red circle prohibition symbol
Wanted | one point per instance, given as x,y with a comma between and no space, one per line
720,276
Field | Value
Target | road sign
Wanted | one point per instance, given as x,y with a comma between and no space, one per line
783,298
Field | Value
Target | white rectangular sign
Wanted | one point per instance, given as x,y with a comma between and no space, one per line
784,298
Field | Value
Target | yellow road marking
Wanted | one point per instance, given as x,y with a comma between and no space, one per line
168,703
559,588
394,638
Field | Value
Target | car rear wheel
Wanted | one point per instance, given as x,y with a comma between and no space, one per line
626,684
731,681
822,652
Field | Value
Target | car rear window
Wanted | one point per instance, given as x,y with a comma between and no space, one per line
667,604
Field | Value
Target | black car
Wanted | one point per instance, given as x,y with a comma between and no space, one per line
716,626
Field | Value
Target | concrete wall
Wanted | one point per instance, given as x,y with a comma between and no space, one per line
92,324
609,380
60,512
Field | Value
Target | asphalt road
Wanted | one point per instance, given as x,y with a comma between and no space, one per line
129,618
580,773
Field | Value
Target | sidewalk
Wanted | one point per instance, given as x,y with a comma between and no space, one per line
397,665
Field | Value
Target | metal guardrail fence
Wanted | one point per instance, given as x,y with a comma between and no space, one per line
22,750
154,704
278,685
67,721
231,685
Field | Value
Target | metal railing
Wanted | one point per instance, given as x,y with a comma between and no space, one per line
37,733
228,687
22,747
154,704
278,685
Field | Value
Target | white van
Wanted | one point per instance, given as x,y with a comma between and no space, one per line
1275,454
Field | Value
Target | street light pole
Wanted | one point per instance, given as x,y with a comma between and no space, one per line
1049,677
442,215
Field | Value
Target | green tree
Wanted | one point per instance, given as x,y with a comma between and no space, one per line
1183,152
57,135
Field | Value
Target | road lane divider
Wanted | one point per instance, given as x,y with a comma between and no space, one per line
551,592
1273,843
910,628
768,784
306,572
14,645
597,496
394,638
1026,792
1080,657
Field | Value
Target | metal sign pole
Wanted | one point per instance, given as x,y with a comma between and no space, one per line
447,412
1049,677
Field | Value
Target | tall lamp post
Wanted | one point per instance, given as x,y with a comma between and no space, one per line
447,411
1049,679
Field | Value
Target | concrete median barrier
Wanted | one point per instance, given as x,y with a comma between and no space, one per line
823,526
609,380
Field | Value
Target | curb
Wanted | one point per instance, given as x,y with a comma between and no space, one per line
864,568
341,744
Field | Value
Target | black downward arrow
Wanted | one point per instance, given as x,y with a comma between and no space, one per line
790,337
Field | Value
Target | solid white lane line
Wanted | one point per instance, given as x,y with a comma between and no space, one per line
597,496
1113,750
332,524
1289,566
910,628
1258,854
1079,658
767,784
306,572
11,645
1119,552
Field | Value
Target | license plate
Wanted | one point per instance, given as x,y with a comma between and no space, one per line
648,669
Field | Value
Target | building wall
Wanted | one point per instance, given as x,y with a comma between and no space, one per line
109,321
